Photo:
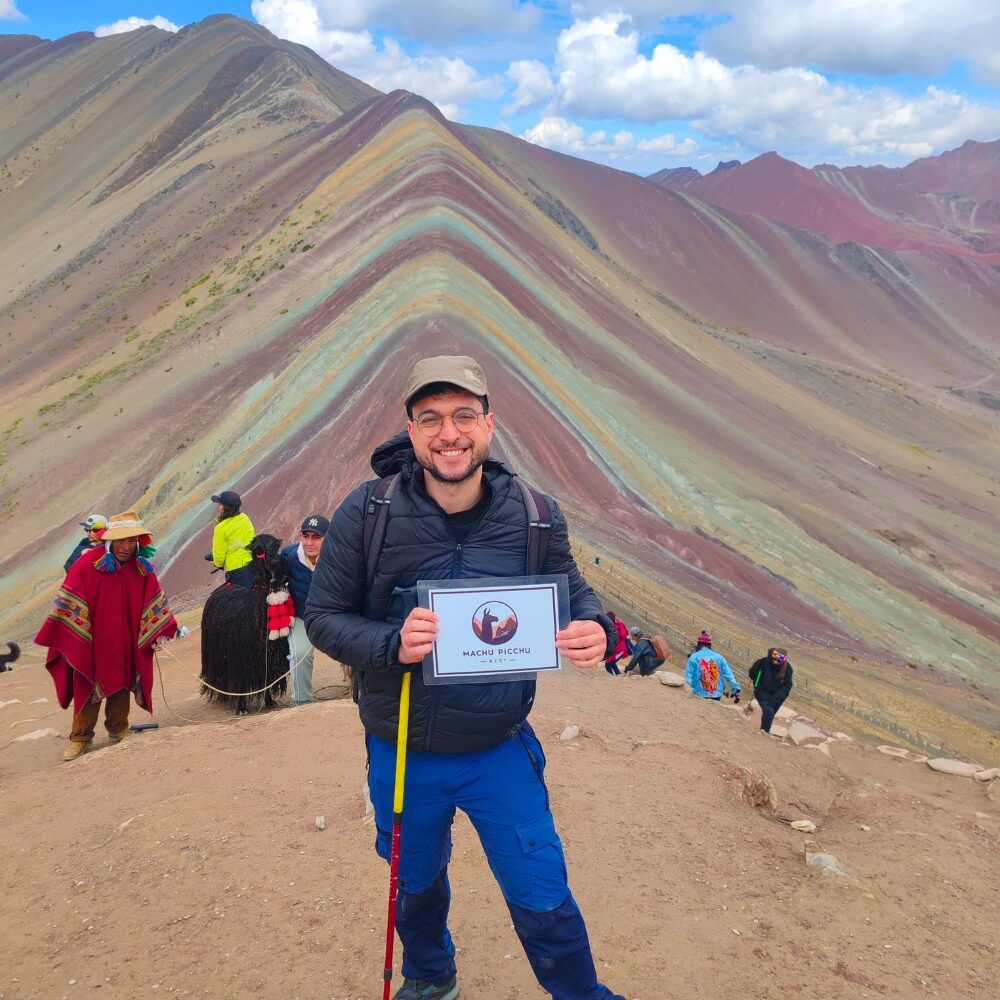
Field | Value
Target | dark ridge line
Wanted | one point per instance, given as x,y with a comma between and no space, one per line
216,94
132,65
31,55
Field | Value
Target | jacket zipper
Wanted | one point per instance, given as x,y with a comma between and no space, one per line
456,567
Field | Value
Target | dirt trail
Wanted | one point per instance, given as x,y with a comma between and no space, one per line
187,860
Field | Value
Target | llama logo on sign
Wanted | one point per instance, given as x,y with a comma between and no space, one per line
494,623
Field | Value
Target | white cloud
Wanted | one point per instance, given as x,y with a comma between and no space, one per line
669,144
131,23
600,73
9,11
569,137
533,84
876,37
648,12
554,132
448,82
432,20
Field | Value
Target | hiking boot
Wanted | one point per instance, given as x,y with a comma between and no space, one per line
75,749
418,989
117,737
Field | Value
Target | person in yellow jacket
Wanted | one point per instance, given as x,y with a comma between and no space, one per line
233,533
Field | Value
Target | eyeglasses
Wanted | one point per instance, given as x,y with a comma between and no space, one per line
465,422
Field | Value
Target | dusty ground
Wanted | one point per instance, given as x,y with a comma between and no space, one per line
187,860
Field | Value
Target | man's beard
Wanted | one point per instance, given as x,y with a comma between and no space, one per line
478,457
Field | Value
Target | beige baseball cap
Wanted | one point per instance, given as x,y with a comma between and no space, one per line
455,369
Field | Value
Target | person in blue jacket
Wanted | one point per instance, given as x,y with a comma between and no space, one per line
455,513
299,561
708,673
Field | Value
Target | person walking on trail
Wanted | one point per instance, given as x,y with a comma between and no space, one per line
645,660
233,533
455,513
299,562
621,646
101,631
771,677
708,673
93,530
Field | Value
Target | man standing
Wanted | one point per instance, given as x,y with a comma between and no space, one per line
93,527
299,561
100,633
455,513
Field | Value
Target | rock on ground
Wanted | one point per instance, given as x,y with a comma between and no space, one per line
961,768
902,754
756,789
670,680
826,863
38,734
803,735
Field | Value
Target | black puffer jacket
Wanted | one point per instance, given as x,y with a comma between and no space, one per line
764,675
362,629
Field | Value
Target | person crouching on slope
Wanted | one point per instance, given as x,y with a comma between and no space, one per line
708,673
771,676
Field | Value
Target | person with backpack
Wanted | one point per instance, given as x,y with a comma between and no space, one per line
621,647
708,673
232,534
444,509
771,677
650,653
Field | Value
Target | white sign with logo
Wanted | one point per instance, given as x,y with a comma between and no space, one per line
494,629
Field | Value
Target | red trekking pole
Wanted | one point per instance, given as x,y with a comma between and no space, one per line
397,823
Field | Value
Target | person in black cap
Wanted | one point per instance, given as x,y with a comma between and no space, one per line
298,561
233,533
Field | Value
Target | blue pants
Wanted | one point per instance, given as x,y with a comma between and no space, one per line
768,707
502,790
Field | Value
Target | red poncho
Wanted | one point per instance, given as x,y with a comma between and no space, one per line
101,630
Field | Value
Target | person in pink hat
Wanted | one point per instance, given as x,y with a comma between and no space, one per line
708,673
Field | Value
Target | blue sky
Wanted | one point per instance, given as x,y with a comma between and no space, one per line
644,84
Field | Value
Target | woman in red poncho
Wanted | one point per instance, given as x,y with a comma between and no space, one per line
100,633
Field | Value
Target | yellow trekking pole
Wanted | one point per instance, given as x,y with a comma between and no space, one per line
397,823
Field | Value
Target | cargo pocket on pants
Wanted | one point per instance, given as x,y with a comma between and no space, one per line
536,878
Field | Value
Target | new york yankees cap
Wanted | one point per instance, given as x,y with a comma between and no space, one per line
315,524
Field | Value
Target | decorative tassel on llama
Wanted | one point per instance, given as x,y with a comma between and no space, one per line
280,614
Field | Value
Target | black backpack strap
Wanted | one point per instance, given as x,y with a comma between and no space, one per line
376,523
539,526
